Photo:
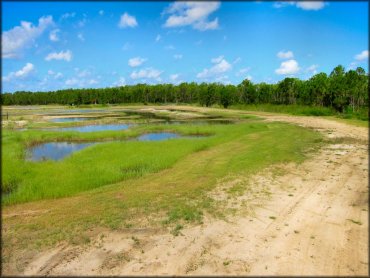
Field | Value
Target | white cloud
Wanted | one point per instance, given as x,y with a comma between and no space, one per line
146,73
53,35
62,55
158,38
121,82
310,5
288,67
14,40
193,14
364,55
221,66
101,12
50,72
68,15
249,77
312,69
22,73
127,21
304,5
136,61
25,71
285,55
177,56
81,37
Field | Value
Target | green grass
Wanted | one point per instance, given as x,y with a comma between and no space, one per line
304,110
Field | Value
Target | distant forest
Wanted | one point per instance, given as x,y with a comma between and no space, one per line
341,90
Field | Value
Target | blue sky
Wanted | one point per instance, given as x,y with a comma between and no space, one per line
57,45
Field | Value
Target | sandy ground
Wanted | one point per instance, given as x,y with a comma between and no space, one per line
313,221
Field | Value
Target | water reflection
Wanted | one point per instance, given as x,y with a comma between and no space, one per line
54,151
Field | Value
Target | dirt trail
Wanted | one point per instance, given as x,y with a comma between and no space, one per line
315,222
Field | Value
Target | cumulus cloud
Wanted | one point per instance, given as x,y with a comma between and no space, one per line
22,73
62,55
193,14
149,73
177,56
288,67
220,66
14,40
304,5
285,55
136,61
53,35
364,55
127,20
25,71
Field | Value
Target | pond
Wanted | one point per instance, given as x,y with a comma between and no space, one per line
54,151
72,119
92,128
59,150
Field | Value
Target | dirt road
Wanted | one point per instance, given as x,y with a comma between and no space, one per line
314,221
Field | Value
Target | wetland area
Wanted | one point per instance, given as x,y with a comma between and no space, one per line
120,184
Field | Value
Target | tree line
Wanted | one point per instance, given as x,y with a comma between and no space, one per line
340,90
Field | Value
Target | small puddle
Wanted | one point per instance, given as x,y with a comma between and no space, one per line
54,151
72,119
92,128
